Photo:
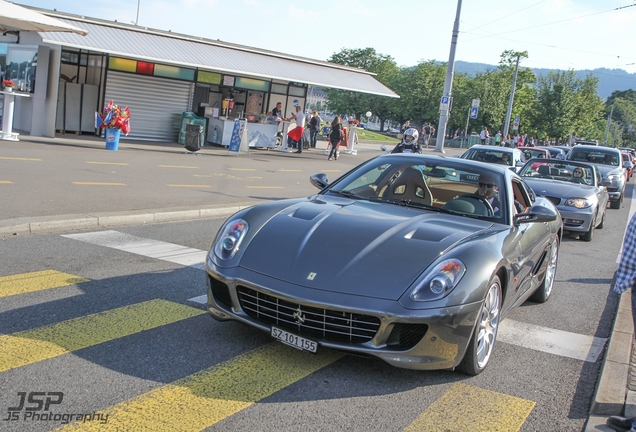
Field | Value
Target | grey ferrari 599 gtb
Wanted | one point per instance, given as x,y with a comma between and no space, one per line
414,259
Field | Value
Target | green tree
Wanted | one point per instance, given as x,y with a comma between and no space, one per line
355,103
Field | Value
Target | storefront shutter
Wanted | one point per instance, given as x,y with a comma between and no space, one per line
155,104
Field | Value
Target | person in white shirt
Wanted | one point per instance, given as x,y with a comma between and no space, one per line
296,134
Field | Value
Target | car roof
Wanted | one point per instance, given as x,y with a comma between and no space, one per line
597,148
492,147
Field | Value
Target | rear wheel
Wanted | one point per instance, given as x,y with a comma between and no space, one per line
542,294
485,332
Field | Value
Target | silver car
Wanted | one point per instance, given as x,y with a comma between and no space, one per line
611,165
512,157
576,188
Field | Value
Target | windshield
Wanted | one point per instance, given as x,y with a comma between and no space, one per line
489,156
531,153
447,187
574,173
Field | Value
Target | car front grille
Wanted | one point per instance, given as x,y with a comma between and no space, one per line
220,292
406,336
612,189
554,200
308,321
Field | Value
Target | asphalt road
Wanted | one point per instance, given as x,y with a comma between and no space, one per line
120,331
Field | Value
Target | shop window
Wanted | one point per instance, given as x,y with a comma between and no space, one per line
145,68
174,72
121,64
279,88
297,91
252,84
69,57
208,77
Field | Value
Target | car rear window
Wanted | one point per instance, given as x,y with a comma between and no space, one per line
594,156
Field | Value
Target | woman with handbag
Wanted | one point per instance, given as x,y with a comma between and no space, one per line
335,137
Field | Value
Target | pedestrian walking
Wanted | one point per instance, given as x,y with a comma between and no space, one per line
484,135
336,135
625,279
426,134
314,128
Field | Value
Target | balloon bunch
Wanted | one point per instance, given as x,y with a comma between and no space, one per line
113,117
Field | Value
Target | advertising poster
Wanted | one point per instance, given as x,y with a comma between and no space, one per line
237,136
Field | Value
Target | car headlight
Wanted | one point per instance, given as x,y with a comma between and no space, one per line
578,202
229,239
439,281
612,177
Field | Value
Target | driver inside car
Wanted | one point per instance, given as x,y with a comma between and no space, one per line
489,190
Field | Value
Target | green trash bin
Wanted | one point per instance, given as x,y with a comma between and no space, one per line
190,118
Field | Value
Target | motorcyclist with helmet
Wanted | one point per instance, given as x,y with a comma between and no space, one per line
409,142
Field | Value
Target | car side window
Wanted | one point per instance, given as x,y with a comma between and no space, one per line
522,194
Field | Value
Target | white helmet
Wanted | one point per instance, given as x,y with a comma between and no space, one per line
410,132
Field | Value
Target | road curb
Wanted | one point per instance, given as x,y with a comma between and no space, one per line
611,396
31,225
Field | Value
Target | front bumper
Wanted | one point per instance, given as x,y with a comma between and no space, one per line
412,339
577,219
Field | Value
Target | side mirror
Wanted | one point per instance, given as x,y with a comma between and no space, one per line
627,165
319,180
536,213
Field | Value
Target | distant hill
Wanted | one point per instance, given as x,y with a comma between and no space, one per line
610,80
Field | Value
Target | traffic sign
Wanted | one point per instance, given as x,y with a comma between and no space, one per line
515,125
473,112
445,103
475,103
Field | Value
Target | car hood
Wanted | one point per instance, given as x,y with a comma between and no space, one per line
562,189
354,247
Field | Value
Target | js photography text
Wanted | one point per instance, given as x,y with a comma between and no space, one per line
36,406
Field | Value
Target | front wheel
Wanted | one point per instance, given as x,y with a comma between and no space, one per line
485,332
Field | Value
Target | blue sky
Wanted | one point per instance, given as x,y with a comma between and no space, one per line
560,34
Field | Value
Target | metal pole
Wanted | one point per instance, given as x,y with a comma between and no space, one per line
448,83
466,130
511,101
137,19
614,135
609,120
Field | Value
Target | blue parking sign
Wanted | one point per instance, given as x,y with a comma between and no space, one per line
473,112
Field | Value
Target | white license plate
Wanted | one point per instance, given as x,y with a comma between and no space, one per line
294,341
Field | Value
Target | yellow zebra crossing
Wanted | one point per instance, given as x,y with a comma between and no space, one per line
209,396
36,281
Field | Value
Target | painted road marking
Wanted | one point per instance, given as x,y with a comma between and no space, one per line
205,398
203,299
20,159
189,186
30,346
99,184
566,344
107,163
178,166
5,182
469,408
149,248
562,343
36,281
